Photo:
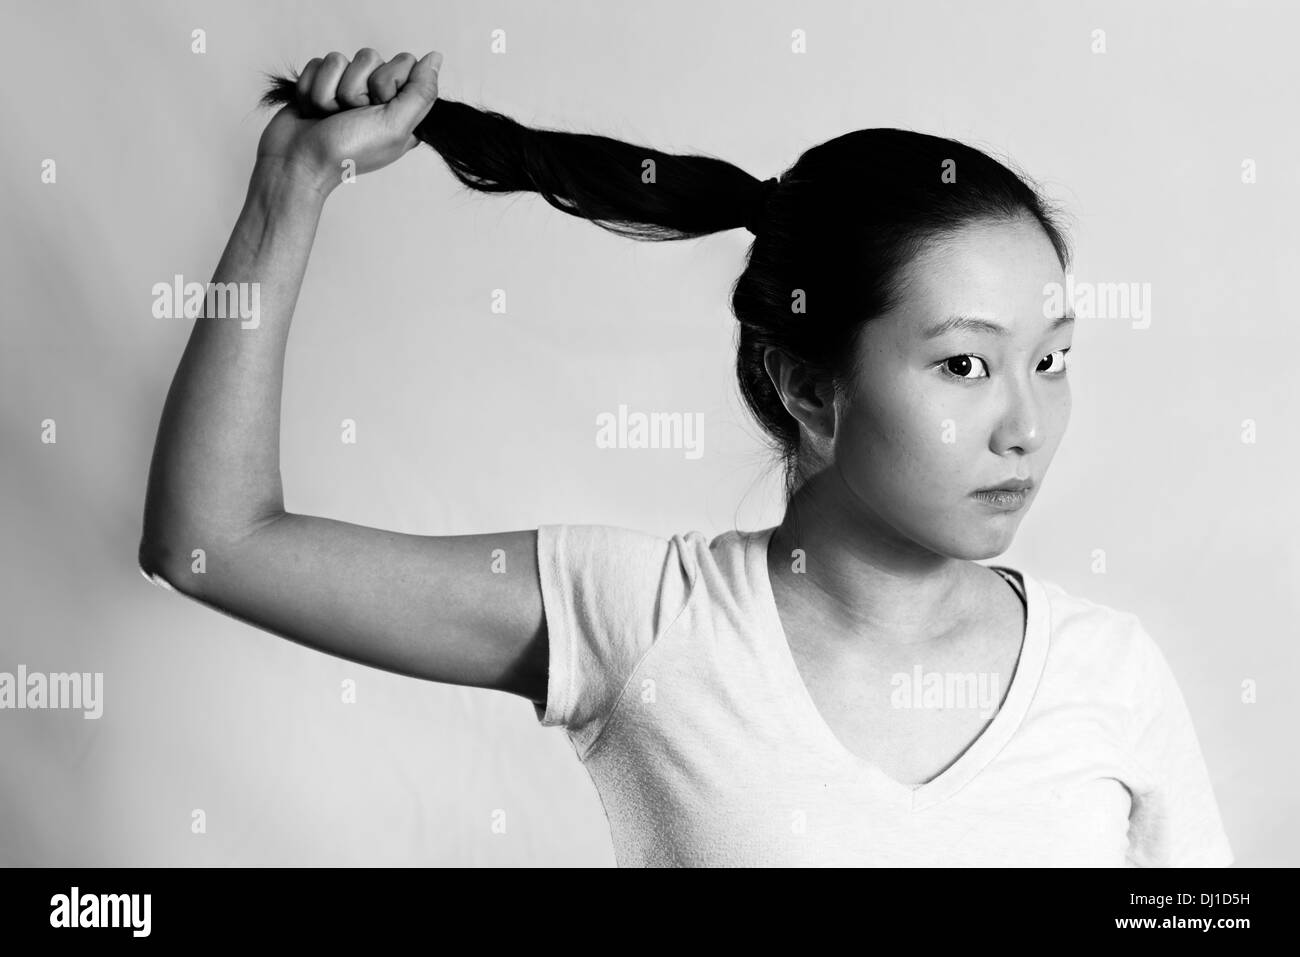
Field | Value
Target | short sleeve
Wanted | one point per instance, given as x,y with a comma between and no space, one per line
1174,818
608,593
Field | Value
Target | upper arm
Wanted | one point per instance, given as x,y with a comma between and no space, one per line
458,609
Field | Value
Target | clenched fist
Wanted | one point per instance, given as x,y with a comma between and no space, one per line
364,110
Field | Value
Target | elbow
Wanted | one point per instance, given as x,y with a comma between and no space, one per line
156,556
162,565
177,559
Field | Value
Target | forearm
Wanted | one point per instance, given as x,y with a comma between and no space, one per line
215,471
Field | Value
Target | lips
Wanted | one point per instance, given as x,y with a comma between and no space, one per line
1014,485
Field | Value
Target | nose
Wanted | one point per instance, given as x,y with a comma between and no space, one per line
1020,426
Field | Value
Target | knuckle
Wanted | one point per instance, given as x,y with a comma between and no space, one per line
334,57
382,87
322,99
403,58
368,55
307,74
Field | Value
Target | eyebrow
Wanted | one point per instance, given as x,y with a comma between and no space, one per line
973,324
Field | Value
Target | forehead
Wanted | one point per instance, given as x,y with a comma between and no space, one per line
992,270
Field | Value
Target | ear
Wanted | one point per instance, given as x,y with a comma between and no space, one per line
806,397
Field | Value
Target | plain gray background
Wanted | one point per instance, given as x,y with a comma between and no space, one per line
473,421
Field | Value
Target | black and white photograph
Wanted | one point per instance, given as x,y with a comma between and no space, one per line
674,435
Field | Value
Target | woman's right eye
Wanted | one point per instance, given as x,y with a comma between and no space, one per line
960,367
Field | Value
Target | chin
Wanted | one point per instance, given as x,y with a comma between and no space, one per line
980,543
976,553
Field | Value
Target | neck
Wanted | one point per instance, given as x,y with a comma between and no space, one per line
861,579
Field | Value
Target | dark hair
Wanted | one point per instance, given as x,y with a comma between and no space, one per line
832,234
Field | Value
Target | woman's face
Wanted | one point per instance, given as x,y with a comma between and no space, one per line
936,415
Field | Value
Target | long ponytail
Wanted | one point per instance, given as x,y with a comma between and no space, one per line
634,191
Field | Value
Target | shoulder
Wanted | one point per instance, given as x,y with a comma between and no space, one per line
1077,617
611,575
1109,645
634,575
610,549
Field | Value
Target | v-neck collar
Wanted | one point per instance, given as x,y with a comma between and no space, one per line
1024,683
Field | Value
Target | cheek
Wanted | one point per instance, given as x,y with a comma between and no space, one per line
903,445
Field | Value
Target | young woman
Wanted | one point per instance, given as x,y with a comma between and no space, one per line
849,687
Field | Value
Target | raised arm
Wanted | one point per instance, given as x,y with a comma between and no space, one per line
439,608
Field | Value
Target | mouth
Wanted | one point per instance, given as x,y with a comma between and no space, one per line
1007,497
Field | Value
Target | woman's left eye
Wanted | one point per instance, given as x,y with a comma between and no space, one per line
1057,367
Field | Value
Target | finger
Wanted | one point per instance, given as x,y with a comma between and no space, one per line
388,79
417,95
326,82
305,79
352,89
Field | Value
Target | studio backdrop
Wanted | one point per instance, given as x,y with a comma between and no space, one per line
475,342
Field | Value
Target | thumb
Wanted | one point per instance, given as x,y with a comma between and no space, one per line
414,100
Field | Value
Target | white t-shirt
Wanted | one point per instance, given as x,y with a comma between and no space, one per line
672,676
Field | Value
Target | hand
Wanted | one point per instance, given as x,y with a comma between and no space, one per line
365,111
